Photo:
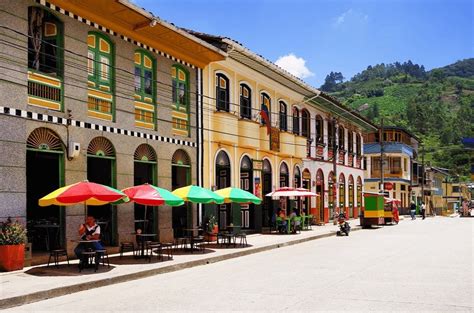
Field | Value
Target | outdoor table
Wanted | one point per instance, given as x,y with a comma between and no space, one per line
48,228
142,239
90,246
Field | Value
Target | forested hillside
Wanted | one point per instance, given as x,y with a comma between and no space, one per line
436,105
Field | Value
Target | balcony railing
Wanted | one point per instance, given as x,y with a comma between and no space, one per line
44,91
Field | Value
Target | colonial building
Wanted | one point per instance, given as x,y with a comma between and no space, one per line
98,90
400,149
263,129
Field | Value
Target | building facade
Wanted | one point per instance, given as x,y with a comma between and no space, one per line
103,91
264,129
400,150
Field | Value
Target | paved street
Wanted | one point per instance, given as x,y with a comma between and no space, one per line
415,266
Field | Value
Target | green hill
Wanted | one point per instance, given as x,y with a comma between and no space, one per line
437,106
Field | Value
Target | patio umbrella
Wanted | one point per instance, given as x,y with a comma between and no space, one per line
147,194
291,192
198,194
83,192
232,194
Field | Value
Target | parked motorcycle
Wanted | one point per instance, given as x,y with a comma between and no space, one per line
344,227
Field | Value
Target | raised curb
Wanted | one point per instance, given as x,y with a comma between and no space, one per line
61,291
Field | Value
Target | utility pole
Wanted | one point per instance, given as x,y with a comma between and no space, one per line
422,173
381,139
334,160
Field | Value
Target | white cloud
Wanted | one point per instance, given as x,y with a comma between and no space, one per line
295,65
350,17
342,18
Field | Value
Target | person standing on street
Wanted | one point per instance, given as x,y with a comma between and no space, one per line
423,210
413,210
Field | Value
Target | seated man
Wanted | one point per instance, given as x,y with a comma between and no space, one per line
284,224
294,222
89,231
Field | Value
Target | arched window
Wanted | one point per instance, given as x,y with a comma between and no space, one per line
296,121
222,93
145,90
100,69
145,153
341,138
245,101
266,106
180,92
305,123
350,141
319,129
222,170
283,118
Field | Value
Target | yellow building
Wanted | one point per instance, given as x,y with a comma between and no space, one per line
293,147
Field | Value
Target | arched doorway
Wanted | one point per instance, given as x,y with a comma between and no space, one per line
320,192
284,182
331,194
246,183
306,184
351,196
297,184
267,207
359,195
144,171
181,177
101,170
223,181
342,193
44,173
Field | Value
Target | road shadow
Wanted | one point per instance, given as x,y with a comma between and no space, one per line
65,270
132,260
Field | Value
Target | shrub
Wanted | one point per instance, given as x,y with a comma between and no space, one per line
12,233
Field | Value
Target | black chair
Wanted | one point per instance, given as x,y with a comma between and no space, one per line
242,238
56,254
167,248
104,256
127,246
154,247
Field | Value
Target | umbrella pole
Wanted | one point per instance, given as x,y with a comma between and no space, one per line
85,211
145,222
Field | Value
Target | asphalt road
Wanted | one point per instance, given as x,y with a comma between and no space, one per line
414,266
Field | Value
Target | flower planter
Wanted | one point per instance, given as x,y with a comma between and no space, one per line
213,236
12,257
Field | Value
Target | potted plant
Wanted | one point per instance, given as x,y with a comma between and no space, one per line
212,228
12,245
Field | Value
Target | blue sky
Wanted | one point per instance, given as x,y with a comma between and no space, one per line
315,37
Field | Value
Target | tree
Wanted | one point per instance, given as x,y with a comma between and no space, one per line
331,81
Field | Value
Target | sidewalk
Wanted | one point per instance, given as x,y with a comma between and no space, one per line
40,282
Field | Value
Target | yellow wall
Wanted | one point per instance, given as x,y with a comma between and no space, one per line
238,137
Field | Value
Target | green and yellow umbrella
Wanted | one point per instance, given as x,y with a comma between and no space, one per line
198,194
237,195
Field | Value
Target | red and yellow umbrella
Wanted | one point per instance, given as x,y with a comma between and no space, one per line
83,192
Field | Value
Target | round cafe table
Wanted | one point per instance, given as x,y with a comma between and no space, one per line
143,238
